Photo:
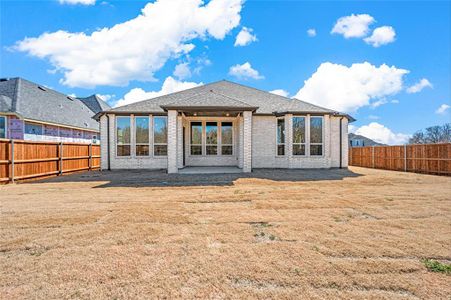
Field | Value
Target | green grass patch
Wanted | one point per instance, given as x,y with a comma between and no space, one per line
436,266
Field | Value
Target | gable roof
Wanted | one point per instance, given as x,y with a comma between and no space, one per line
35,102
228,94
95,103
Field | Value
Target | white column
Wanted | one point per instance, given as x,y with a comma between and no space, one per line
103,142
172,141
112,140
247,141
307,135
132,137
179,142
289,139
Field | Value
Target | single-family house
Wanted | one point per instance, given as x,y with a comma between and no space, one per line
29,111
223,124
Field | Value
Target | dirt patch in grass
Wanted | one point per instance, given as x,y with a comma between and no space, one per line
271,234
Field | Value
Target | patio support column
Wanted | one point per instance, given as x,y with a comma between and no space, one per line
179,142
172,141
247,142
289,139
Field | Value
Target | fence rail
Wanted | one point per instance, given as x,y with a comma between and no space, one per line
427,158
21,160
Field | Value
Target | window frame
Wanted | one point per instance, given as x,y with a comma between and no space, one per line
220,139
322,136
204,125
153,136
33,124
284,137
201,145
6,127
305,136
136,137
123,144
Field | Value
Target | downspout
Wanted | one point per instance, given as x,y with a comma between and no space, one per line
341,143
108,141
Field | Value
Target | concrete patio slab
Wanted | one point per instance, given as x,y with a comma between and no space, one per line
210,170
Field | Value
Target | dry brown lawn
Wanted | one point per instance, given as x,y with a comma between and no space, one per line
360,233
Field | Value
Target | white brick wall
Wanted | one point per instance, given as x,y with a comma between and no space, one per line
172,141
247,141
103,143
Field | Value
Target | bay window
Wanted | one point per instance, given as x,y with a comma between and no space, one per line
280,136
142,136
211,138
196,138
123,136
226,138
316,136
160,136
298,135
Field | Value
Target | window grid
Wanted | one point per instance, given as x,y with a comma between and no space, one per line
160,147
280,136
142,140
226,148
316,139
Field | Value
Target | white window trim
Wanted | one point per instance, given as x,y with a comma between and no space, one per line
201,138
305,136
284,135
220,139
322,136
6,127
153,137
116,137
148,135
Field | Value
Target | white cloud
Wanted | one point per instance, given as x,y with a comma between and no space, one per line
170,85
245,37
106,97
382,134
136,49
442,109
381,36
347,89
353,26
182,71
417,87
244,71
83,2
279,92
378,103
311,32
373,117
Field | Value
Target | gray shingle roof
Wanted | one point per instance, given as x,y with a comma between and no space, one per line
231,94
95,103
35,102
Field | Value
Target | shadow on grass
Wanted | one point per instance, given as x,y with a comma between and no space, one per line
159,178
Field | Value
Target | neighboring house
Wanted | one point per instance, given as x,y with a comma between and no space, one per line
356,140
29,111
223,124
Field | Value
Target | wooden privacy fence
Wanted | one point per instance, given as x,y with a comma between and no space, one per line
427,158
21,160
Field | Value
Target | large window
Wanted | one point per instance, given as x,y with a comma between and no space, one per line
298,135
211,134
2,127
32,128
123,136
316,136
196,138
142,136
226,138
281,136
160,136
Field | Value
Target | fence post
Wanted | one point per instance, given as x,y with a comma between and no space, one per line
61,159
405,158
12,161
373,157
90,157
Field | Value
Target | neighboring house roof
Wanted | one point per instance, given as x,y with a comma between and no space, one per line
228,94
95,103
35,102
366,141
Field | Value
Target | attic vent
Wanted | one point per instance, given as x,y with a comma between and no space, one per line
42,88
70,98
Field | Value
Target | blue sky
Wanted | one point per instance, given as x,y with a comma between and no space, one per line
362,57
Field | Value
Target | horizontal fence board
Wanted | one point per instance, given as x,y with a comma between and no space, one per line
20,160
428,158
